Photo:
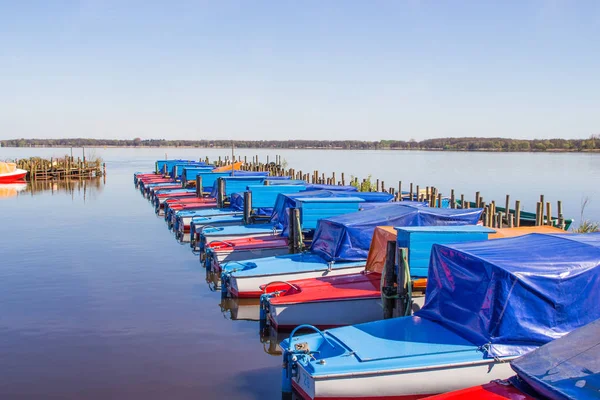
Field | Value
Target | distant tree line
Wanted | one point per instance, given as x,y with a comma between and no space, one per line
450,144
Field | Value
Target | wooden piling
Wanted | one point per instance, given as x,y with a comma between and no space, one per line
517,213
549,213
452,199
389,289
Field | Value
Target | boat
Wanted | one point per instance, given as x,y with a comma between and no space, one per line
340,246
564,369
329,302
9,173
312,208
221,252
487,303
261,200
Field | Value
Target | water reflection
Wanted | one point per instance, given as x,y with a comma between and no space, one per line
11,189
241,309
271,340
83,188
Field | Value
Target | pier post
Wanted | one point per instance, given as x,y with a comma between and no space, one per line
517,213
199,187
247,207
389,291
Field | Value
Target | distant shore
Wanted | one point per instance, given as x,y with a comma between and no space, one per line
591,145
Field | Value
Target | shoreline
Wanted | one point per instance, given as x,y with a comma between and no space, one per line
307,148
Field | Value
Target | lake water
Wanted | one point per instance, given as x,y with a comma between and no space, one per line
97,299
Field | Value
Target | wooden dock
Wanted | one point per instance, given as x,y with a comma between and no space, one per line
68,167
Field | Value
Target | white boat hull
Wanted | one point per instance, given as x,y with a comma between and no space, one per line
250,286
331,313
399,384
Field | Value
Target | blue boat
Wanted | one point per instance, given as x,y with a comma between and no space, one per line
262,201
487,303
340,246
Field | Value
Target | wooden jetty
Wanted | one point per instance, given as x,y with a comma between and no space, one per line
66,167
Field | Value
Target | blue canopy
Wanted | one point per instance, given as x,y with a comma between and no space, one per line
236,201
514,295
566,368
348,237
286,201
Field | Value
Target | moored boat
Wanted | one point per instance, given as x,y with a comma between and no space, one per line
340,246
9,173
487,303
329,302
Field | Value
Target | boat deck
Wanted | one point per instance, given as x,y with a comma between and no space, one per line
392,344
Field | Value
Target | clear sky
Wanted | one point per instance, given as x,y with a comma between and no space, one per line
326,69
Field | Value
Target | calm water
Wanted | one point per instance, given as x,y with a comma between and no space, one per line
97,299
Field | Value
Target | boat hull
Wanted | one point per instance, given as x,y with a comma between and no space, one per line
399,384
331,313
12,177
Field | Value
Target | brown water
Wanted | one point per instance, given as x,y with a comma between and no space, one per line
98,300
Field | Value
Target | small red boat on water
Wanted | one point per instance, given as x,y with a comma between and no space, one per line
9,173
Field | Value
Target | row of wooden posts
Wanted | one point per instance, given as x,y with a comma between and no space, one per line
61,168
491,216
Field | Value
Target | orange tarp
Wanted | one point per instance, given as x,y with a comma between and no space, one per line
6,168
377,250
523,230
235,166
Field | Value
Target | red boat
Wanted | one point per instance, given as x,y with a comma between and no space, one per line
9,173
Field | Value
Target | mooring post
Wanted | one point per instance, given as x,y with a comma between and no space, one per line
291,230
549,213
452,199
399,190
561,220
477,200
517,213
220,192
389,291
199,186
247,207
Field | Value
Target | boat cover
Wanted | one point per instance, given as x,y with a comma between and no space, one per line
286,201
7,168
566,368
348,237
513,295
378,249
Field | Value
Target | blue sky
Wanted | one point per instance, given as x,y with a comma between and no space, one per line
325,69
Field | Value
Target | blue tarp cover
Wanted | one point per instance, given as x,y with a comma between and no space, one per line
566,368
236,201
286,201
348,237
514,295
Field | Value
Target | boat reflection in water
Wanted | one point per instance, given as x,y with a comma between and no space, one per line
11,189
85,188
241,309
214,281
